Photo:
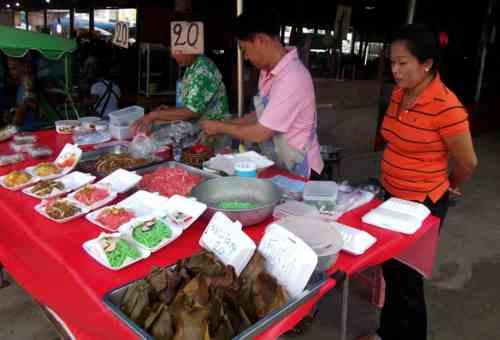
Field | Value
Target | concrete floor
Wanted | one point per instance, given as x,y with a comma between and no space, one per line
463,296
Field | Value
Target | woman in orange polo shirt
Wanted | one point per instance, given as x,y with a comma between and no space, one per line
425,125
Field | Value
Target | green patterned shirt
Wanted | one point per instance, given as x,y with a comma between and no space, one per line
203,90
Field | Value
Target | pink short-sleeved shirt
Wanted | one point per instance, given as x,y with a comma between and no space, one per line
291,105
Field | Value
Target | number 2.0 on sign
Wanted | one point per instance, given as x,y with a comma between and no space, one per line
121,34
187,37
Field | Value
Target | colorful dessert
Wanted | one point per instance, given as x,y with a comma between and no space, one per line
151,233
118,251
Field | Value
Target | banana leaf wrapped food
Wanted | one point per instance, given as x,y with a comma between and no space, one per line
202,299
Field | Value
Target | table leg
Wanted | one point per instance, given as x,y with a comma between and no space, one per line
3,282
345,309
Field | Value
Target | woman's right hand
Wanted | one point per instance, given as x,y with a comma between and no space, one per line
143,124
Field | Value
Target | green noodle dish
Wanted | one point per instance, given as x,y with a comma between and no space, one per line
236,205
119,254
151,233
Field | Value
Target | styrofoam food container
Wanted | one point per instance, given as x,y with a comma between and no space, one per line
121,180
96,205
71,181
31,171
127,229
126,116
66,127
32,181
94,249
40,208
121,132
142,203
187,206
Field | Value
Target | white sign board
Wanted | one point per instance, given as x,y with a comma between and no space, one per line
187,37
121,34
289,259
228,242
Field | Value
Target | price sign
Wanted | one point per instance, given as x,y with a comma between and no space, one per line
187,37
121,34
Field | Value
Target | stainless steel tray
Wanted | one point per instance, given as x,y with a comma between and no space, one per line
88,159
112,301
172,164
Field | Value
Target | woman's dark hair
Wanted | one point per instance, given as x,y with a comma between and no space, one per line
252,22
422,42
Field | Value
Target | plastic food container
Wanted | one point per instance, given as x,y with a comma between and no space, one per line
126,116
25,139
320,191
321,236
121,132
11,159
66,126
43,151
294,208
245,169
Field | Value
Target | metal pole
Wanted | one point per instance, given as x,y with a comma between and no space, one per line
411,11
91,20
484,51
345,309
239,10
45,19
72,23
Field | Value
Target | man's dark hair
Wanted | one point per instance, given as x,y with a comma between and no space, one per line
252,22
422,42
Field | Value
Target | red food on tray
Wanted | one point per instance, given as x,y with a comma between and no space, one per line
91,194
114,217
170,181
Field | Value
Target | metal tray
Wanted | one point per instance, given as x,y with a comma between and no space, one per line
112,301
88,159
172,164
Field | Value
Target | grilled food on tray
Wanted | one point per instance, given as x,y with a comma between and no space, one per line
61,209
45,188
202,299
114,217
16,178
111,162
46,169
91,194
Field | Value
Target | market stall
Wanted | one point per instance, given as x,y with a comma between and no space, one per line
47,259
17,43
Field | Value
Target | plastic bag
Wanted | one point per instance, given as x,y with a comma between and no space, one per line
143,146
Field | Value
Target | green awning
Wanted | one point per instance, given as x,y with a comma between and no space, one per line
16,43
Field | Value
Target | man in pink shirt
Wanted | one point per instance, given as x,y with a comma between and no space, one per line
284,122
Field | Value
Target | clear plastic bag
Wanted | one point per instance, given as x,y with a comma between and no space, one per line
7,132
37,152
11,159
143,146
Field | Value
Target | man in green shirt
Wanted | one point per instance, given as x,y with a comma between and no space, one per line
203,94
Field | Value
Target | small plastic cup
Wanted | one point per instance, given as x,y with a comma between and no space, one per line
245,169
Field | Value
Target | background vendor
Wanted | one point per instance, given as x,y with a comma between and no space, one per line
284,122
203,94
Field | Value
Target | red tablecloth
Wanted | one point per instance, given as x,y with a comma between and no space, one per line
48,261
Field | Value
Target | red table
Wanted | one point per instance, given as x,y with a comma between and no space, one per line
48,261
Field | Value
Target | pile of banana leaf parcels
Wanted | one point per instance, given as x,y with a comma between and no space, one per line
201,298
